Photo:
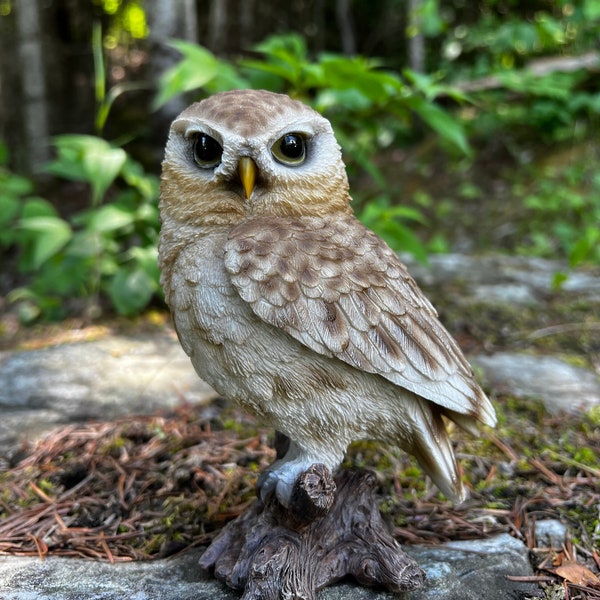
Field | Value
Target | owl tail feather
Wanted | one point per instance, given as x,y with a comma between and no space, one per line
432,448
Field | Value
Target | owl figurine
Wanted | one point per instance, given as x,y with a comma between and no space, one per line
288,305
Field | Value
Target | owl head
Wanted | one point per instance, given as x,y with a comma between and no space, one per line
246,153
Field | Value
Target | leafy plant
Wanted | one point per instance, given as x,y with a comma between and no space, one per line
563,210
390,222
105,249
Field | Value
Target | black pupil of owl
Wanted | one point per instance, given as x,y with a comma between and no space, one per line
207,151
292,146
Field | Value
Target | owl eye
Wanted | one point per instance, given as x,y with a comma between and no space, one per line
290,149
207,151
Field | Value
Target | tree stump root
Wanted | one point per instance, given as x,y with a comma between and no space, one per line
272,552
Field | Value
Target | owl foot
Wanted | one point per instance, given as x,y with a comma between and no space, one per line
279,479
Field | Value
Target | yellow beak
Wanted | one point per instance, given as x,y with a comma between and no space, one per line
247,170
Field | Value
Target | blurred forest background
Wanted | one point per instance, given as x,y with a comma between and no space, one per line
466,126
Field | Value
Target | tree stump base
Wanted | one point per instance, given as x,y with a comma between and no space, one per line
326,535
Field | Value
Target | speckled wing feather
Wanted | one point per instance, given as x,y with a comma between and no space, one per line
336,287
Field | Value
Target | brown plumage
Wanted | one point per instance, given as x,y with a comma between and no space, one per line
286,303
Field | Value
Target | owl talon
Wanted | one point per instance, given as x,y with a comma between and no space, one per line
279,480
266,485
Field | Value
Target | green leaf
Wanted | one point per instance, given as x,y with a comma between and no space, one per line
88,158
358,73
197,67
446,126
9,208
110,218
130,291
38,207
226,78
583,248
134,175
558,279
351,99
591,10
85,244
15,185
146,258
401,238
407,212
291,47
431,89
51,234
383,219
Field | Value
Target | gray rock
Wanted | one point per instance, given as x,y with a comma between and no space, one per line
527,278
100,380
455,571
559,385
472,570
505,293
550,533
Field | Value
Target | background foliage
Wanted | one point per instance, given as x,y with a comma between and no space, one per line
489,142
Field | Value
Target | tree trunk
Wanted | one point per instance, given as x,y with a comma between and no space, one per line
190,23
168,19
344,18
217,23
246,24
416,39
319,21
34,107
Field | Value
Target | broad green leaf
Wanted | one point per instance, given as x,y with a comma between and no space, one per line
130,291
446,126
584,247
591,9
51,235
351,99
281,70
197,67
147,259
291,46
88,158
110,218
407,212
85,244
38,207
226,78
401,238
342,73
134,175
385,221
9,208
15,185
68,164
558,279
102,165
430,88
